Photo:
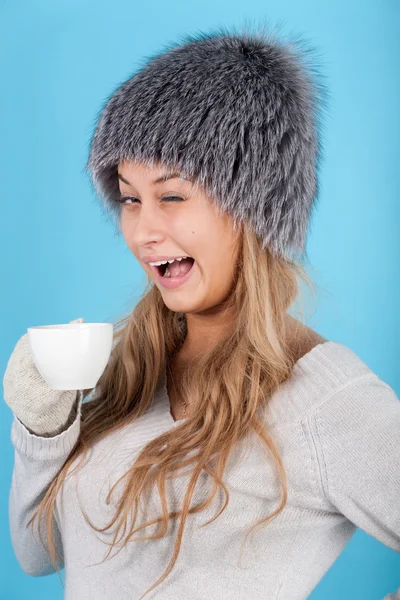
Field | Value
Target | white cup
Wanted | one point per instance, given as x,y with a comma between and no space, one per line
71,356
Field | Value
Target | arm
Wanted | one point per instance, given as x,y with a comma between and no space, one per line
355,438
36,462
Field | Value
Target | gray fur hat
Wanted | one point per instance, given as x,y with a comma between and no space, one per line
239,113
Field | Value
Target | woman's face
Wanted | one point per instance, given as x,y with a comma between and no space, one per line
172,218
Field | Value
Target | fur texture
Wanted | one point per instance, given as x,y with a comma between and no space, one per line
239,113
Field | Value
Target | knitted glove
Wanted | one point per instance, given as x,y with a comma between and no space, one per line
44,412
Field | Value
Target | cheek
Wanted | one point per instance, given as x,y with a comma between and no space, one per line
126,231
217,267
124,226
225,260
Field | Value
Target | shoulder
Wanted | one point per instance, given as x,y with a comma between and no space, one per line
354,394
353,437
327,375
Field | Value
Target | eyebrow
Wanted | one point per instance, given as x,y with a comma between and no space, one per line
163,178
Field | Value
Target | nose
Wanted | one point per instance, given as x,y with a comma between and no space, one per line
149,225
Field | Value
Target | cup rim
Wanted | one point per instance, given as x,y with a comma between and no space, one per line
67,326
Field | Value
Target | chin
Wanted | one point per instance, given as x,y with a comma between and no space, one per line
180,307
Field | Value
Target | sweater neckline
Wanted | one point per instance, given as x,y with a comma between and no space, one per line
298,366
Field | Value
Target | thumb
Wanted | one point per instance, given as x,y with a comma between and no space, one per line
80,320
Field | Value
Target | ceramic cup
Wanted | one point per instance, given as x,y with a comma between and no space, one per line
71,356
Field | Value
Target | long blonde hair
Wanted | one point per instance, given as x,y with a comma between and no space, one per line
228,386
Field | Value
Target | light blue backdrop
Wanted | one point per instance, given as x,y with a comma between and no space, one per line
60,259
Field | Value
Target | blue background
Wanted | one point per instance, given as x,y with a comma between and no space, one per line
60,259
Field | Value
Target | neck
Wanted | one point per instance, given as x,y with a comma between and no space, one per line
203,335
204,331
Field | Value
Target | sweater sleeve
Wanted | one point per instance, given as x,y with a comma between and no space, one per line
355,434
37,460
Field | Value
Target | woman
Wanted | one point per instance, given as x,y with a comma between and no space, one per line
207,160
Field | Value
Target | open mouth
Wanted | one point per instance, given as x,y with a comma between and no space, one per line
184,267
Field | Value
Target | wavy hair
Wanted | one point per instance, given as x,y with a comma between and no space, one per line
228,386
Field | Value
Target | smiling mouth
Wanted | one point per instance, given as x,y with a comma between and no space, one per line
161,269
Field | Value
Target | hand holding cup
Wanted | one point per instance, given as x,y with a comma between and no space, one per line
47,367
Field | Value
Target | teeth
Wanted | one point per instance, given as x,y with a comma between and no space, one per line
164,262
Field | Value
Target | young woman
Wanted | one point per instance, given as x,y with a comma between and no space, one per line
219,414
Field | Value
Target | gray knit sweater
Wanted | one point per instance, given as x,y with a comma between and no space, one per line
337,426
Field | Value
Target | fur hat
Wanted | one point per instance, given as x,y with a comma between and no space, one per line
236,112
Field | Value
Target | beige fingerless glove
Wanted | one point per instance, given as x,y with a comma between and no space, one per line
44,411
